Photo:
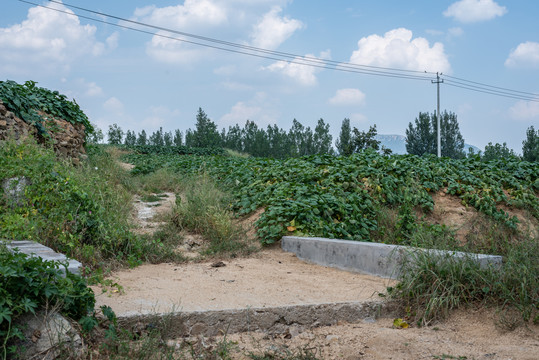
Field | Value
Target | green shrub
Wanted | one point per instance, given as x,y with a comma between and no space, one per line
26,100
29,283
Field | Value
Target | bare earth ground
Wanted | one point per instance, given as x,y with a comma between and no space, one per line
273,278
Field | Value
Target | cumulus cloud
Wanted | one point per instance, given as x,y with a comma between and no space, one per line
525,110
93,90
47,37
170,51
348,97
525,55
303,74
114,105
160,116
112,41
358,118
259,109
469,11
272,30
193,13
397,49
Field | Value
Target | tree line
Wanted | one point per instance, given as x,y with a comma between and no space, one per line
300,140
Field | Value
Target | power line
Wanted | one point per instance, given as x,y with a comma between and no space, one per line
252,51
243,46
491,86
294,58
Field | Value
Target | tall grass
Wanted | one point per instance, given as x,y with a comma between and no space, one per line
204,209
433,285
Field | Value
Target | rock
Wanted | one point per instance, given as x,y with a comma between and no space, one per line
14,190
67,139
46,333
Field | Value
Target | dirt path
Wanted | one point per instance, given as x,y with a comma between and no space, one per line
274,278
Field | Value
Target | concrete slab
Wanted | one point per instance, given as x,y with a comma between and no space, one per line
33,248
272,320
364,257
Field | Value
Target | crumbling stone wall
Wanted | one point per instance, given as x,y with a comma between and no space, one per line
67,139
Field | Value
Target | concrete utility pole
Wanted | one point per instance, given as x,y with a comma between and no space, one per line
437,82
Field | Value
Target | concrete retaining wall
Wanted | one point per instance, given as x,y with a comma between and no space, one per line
272,320
371,258
33,248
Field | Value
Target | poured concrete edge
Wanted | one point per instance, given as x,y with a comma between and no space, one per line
33,248
382,260
273,320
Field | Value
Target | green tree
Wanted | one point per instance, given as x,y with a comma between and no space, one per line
422,138
497,151
344,142
96,136
156,138
189,138
167,138
362,140
205,133
530,146
233,139
130,138
177,138
142,138
115,134
322,139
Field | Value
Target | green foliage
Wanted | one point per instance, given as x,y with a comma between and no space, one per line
422,138
530,146
26,100
340,197
205,211
205,133
344,142
434,284
497,152
115,135
29,283
81,212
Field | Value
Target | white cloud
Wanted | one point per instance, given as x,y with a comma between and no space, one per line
455,32
469,11
303,74
525,110
171,51
358,118
112,41
348,97
114,105
160,116
434,32
397,49
93,90
525,55
48,38
259,109
272,30
241,112
193,13
225,70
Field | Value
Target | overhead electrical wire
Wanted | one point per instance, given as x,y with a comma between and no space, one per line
293,58
249,50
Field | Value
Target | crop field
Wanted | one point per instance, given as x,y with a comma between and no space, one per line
343,197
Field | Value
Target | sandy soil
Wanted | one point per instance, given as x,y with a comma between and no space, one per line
269,278
465,335
273,277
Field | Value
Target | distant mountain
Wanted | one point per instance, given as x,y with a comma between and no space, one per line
397,143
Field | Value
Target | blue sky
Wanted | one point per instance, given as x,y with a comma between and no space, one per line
142,81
